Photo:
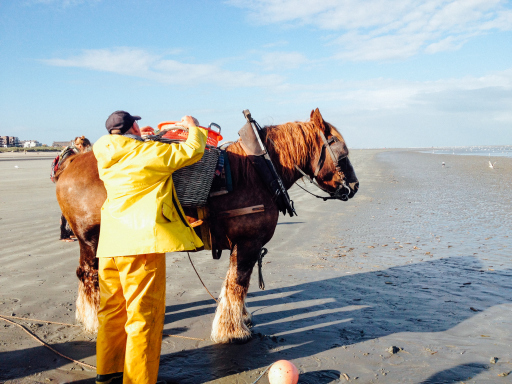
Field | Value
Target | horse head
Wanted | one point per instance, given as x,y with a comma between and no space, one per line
330,164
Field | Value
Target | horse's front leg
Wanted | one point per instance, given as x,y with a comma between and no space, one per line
246,315
232,316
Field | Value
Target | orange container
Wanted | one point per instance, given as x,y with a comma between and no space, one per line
147,130
177,132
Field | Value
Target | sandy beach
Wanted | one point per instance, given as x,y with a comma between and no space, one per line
418,260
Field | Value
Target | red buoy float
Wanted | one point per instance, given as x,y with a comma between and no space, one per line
283,372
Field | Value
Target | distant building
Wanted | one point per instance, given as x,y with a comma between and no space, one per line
9,141
31,144
61,143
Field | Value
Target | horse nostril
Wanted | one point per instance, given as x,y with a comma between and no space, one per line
354,186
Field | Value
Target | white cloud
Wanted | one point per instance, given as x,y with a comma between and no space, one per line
389,113
124,61
450,43
272,61
490,92
368,95
140,63
387,29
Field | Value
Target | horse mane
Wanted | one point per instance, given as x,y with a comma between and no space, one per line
288,144
291,143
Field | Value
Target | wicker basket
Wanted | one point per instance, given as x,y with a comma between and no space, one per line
193,183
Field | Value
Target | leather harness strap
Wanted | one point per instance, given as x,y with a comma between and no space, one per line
240,211
335,159
321,159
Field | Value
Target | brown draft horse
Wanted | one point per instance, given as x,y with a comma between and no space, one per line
81,194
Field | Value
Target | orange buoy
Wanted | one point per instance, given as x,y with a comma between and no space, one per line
283,372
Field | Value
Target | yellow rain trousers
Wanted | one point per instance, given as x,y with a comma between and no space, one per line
131,316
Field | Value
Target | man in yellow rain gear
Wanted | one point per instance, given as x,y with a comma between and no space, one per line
140,221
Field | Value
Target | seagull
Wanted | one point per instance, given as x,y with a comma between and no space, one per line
491,165
443,164
16,166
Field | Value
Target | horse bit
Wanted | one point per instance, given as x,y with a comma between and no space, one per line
340,190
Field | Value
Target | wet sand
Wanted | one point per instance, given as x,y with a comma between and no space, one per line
419,260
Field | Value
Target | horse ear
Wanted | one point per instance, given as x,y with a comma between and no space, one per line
318,120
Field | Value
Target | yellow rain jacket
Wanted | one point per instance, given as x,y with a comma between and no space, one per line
142,214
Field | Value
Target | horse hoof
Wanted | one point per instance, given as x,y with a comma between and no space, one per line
247,319
248,322
241,337
240,341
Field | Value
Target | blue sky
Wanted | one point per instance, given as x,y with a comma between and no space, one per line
386,73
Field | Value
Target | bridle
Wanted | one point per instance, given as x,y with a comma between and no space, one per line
342,192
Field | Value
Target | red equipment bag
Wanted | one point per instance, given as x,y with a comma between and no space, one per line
177,132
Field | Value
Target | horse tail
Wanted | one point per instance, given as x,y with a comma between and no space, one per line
64,165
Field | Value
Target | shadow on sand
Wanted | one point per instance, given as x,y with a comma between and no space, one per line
456,374
309,318
31,361
306,319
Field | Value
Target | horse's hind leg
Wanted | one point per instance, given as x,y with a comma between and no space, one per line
88,298
231,315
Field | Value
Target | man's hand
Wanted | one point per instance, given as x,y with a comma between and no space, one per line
188,121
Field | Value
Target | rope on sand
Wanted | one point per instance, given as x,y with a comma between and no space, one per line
39,321
5,318
266,369
201,280
183,337
45,344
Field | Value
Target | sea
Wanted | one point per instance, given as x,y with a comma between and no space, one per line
477,150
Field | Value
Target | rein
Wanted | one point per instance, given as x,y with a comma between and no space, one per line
312,181
338,194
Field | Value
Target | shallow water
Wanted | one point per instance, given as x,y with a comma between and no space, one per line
461,208
489,150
